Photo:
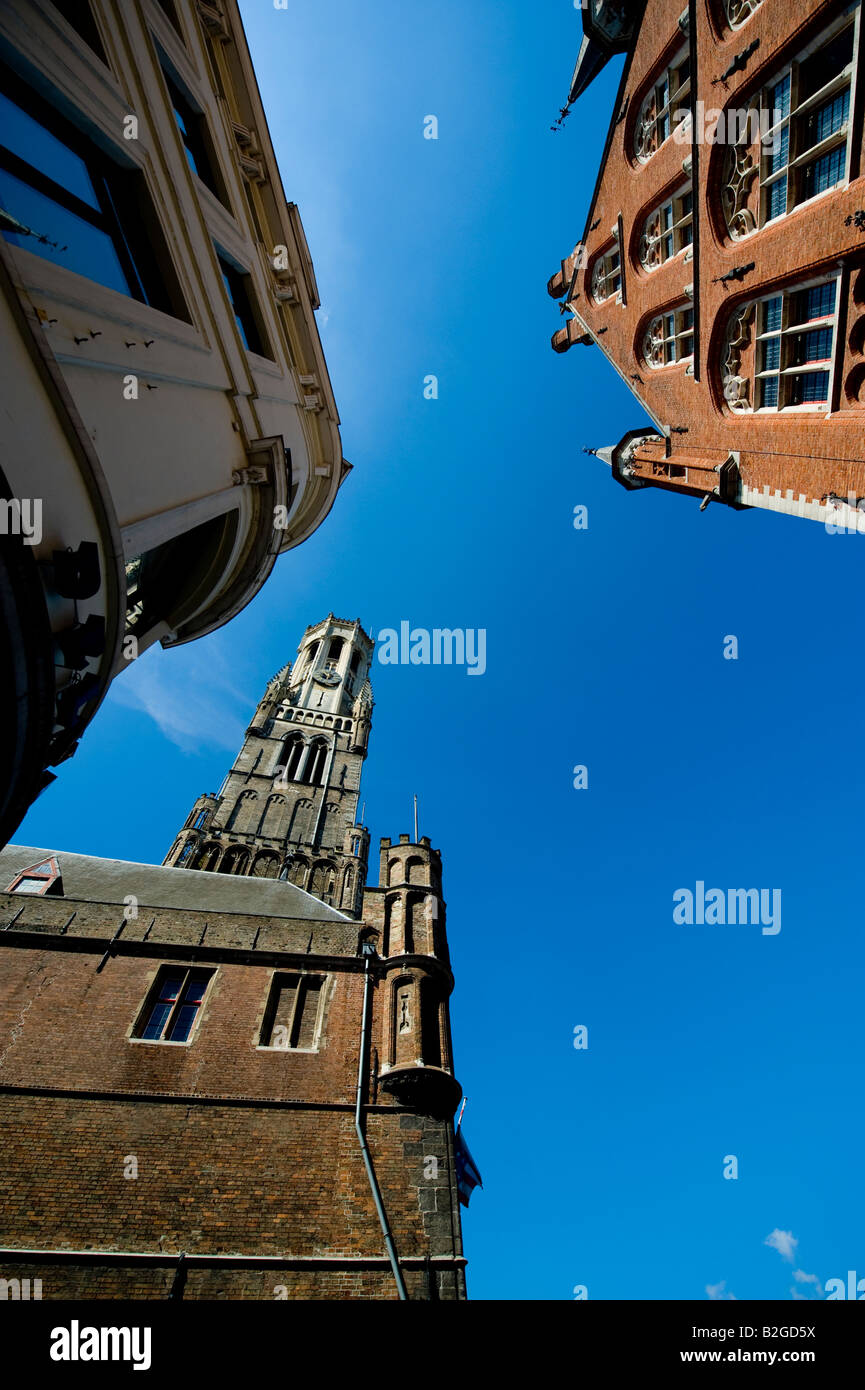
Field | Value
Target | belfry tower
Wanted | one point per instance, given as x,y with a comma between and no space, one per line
289,806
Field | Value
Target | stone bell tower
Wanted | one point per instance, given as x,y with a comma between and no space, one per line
289,806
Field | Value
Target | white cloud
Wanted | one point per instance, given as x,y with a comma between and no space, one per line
190,694
716,1291
784,1242
802,1278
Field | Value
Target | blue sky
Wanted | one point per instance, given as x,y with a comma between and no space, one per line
602,1167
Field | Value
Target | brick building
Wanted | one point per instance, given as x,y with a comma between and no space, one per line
722,264
169,427
215,1082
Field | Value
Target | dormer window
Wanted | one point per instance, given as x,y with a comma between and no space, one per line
39,879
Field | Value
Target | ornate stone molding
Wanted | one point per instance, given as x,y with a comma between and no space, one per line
736,388
739,173
739,11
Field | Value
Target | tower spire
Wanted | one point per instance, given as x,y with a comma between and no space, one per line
288,806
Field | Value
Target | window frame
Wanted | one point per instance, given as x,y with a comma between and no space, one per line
680,331
277,981
665,107
125,205
797,162
240,294
679,222
604,271
153,998
786,335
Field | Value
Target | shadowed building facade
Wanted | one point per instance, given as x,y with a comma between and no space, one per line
721,268
236,1080
169,425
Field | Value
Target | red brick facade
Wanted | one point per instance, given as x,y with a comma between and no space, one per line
722,434
120,1154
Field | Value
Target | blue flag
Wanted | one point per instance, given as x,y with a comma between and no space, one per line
468,1177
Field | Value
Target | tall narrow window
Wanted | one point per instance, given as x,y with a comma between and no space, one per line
607,275
238,287
173,1005
314,769
664,107
63,199
195,136
291,1020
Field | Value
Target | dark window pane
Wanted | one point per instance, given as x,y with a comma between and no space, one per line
825,172
182,1025
25,137
60,236
156,1022
821,67
79,15
769,391
194,992
810,389
170,987
239,297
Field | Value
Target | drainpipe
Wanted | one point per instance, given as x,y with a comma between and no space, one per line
376,1194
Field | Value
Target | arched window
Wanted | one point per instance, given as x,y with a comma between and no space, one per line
668,229
779,351
185,854
313,770
266,865
207,857
664,107
300,829
289,758
235,861
607,274
322,881
348,888
414,870
243,812
298,871
272,816
669,337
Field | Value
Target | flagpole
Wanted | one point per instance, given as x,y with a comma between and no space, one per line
462,1108
415,820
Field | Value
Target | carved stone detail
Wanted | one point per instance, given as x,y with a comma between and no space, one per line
739,173
736,388
738,11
